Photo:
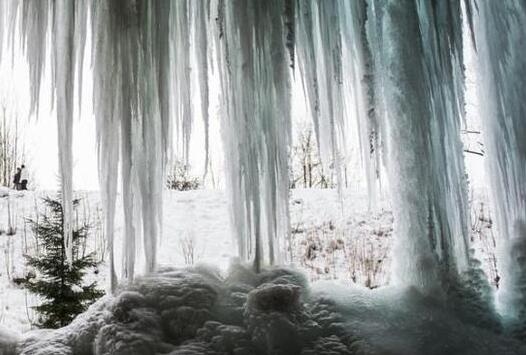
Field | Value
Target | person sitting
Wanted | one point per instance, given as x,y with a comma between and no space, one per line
23,178
16,180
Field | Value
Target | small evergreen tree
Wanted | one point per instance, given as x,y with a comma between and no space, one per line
58,282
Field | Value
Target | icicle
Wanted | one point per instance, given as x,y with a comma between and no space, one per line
132,71
106,111
201,17
183,104
417,59
34,31
3,12
501,44
320,62
64,57
79,42
254,68
358,61
59,23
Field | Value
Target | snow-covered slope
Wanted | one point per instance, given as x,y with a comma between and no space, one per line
333,238
197,230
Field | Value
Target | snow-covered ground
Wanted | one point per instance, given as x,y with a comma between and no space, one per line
333,238
227,308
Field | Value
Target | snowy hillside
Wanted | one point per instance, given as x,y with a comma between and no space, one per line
332,239
197,229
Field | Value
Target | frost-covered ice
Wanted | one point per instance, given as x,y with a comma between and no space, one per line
197,311
501,44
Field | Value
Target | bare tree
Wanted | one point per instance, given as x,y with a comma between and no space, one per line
12,152
306,168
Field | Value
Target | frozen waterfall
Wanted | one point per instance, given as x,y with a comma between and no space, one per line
395,67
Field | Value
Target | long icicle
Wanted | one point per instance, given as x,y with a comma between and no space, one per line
254,70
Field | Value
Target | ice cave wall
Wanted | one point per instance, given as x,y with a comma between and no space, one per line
394,66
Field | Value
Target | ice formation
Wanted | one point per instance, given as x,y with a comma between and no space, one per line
417,60
501,45
256,121
396,67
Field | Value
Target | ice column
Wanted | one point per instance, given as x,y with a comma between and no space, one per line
501,44
416,49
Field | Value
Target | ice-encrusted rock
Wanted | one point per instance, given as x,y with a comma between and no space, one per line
197,312
193,312
274,298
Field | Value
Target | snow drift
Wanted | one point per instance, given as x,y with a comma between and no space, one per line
197,311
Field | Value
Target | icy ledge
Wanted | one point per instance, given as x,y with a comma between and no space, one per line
196,311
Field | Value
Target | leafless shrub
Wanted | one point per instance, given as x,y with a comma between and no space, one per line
357,253
12,151
189,249
306,169
179,178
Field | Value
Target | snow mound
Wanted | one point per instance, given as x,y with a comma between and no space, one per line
197,311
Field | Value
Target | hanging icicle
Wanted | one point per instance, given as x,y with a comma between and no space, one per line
180,18
62,23
201,18
360,88
254,70
320,63
131,70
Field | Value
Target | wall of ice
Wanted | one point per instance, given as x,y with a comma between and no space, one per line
501,45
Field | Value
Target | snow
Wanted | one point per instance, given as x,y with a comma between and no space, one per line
332,238
197,228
